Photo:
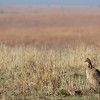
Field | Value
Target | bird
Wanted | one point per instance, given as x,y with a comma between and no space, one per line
93,76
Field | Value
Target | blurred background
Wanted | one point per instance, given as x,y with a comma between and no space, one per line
50,22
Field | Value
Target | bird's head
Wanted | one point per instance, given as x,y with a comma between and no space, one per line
89,63
88,60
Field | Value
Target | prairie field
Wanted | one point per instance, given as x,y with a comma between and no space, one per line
49,25
43,52
43,73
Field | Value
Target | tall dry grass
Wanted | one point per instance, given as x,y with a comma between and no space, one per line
46,73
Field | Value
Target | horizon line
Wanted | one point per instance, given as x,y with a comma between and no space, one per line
53,5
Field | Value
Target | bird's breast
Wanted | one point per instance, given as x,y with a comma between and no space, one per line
89,75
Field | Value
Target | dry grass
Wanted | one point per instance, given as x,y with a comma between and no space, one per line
49,35
50,25
44,73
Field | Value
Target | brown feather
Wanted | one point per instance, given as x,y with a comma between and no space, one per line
93,74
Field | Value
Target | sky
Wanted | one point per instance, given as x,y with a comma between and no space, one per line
51,2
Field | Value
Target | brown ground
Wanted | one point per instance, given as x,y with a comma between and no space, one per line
49,25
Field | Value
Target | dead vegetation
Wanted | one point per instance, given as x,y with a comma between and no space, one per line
49,26
52,67
44,73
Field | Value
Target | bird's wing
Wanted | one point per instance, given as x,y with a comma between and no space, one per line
98,72
97,75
